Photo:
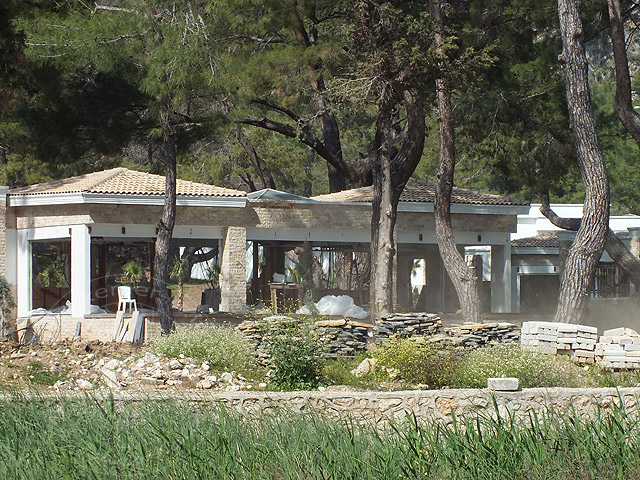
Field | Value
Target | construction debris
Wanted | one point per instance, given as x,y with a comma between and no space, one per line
577,341
618,348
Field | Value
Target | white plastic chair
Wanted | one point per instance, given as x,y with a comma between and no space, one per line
124,299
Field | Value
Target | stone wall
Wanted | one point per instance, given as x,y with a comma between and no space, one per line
425,404
348,337
268,215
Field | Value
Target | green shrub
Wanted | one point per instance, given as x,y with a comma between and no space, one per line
222,346
297,362
533,369
419,362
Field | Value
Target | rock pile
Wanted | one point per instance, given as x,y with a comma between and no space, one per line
403,325
156,371
341,337
618,348
473,335
347,337
554,338
336,337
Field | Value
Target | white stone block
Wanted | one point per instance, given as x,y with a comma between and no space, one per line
508,384
620,331
588,329
567,327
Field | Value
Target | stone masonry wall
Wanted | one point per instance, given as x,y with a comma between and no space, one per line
425,404
256,214
233,271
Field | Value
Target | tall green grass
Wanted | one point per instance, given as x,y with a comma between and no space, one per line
99,439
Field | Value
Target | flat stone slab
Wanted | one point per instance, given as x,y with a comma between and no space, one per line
504,384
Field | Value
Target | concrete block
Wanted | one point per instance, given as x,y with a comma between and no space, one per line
566,327
507,384
620,331
584,353
588,329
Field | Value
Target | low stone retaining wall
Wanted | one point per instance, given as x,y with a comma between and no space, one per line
425,404
434,404
347,337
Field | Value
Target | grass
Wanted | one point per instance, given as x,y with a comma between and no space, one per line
533,369
95,438
221,346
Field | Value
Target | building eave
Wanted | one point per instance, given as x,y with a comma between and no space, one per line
122,199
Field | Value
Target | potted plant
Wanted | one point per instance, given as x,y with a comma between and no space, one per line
211,296
132,273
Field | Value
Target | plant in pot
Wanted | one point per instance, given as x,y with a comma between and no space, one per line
132,273
211,296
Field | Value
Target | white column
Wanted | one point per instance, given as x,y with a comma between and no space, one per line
501,281
80,270
23,274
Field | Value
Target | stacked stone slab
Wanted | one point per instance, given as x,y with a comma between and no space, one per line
473,335
341,337
403,325
619,348
336,337
554,338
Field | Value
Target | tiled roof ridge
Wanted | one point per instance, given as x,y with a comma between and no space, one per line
117,171
122,180
422,191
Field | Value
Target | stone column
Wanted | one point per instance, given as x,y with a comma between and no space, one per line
23,277
80,271
634,233
3,230
233,270
501,281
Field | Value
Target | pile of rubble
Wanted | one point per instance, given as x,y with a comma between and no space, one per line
336,337
474,335
618,348
341,337
403,325
155,371
578,341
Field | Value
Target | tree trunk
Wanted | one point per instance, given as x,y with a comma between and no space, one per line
623,102
385,211
616,249
165,228
584,254
328,123
464,278
266,179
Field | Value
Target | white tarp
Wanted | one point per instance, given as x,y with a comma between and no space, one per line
337,305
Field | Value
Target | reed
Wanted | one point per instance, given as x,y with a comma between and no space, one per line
96,438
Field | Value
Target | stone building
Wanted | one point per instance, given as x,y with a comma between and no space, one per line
82,222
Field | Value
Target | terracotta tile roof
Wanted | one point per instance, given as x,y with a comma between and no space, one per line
421,192
126,182
544,240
